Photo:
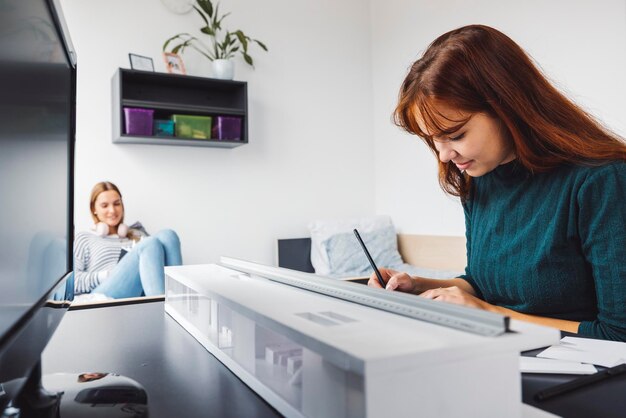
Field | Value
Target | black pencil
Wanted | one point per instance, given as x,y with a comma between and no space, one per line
369,257
579,383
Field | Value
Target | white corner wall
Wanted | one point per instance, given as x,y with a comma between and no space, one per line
310,151
580,44
322,144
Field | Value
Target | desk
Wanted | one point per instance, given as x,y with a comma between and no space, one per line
182,379
603,399
142,342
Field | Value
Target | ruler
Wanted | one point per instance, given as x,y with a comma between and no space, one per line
464,318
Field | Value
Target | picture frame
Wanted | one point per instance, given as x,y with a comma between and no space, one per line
174,63
139,62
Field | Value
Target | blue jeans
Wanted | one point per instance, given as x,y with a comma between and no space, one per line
140,272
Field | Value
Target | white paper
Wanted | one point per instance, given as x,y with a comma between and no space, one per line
545,365
584,350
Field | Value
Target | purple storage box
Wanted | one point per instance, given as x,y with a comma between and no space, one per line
138,121
226,127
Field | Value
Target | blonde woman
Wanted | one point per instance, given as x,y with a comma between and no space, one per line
103,265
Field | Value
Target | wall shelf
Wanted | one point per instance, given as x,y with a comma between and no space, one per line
169,94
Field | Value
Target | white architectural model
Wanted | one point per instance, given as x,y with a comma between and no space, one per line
312,355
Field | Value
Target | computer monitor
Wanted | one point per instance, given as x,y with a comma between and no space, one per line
37,130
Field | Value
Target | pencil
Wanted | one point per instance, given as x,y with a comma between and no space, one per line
579,383
369,257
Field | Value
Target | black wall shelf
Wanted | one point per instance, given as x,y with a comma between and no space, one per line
170,94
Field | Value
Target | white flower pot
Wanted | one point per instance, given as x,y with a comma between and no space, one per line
223,69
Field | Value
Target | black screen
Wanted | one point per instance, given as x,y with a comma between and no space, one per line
37,99
35,103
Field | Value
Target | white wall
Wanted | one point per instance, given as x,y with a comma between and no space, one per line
321,141
310,153
580,44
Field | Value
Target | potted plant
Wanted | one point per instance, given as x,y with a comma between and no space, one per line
223,44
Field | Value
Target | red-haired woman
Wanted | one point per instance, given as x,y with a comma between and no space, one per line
543,186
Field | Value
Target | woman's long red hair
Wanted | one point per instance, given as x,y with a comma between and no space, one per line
479,69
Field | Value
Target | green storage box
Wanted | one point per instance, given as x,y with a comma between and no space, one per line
188,126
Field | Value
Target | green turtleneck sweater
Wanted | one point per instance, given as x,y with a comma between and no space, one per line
552,244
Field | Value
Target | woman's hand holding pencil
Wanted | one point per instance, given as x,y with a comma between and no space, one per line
394,280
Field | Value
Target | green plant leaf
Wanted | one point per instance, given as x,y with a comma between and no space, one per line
207,6
173,47
216,51
202,15
207,30
242,39
261,44
247,58
177,48
168,41
219,21
205,53
217,7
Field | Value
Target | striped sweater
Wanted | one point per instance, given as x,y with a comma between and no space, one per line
94,257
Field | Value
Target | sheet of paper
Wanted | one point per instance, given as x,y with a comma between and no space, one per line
546,365
584,350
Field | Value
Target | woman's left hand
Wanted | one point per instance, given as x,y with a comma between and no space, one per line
457,296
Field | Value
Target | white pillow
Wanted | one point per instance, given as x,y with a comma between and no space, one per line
322,230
